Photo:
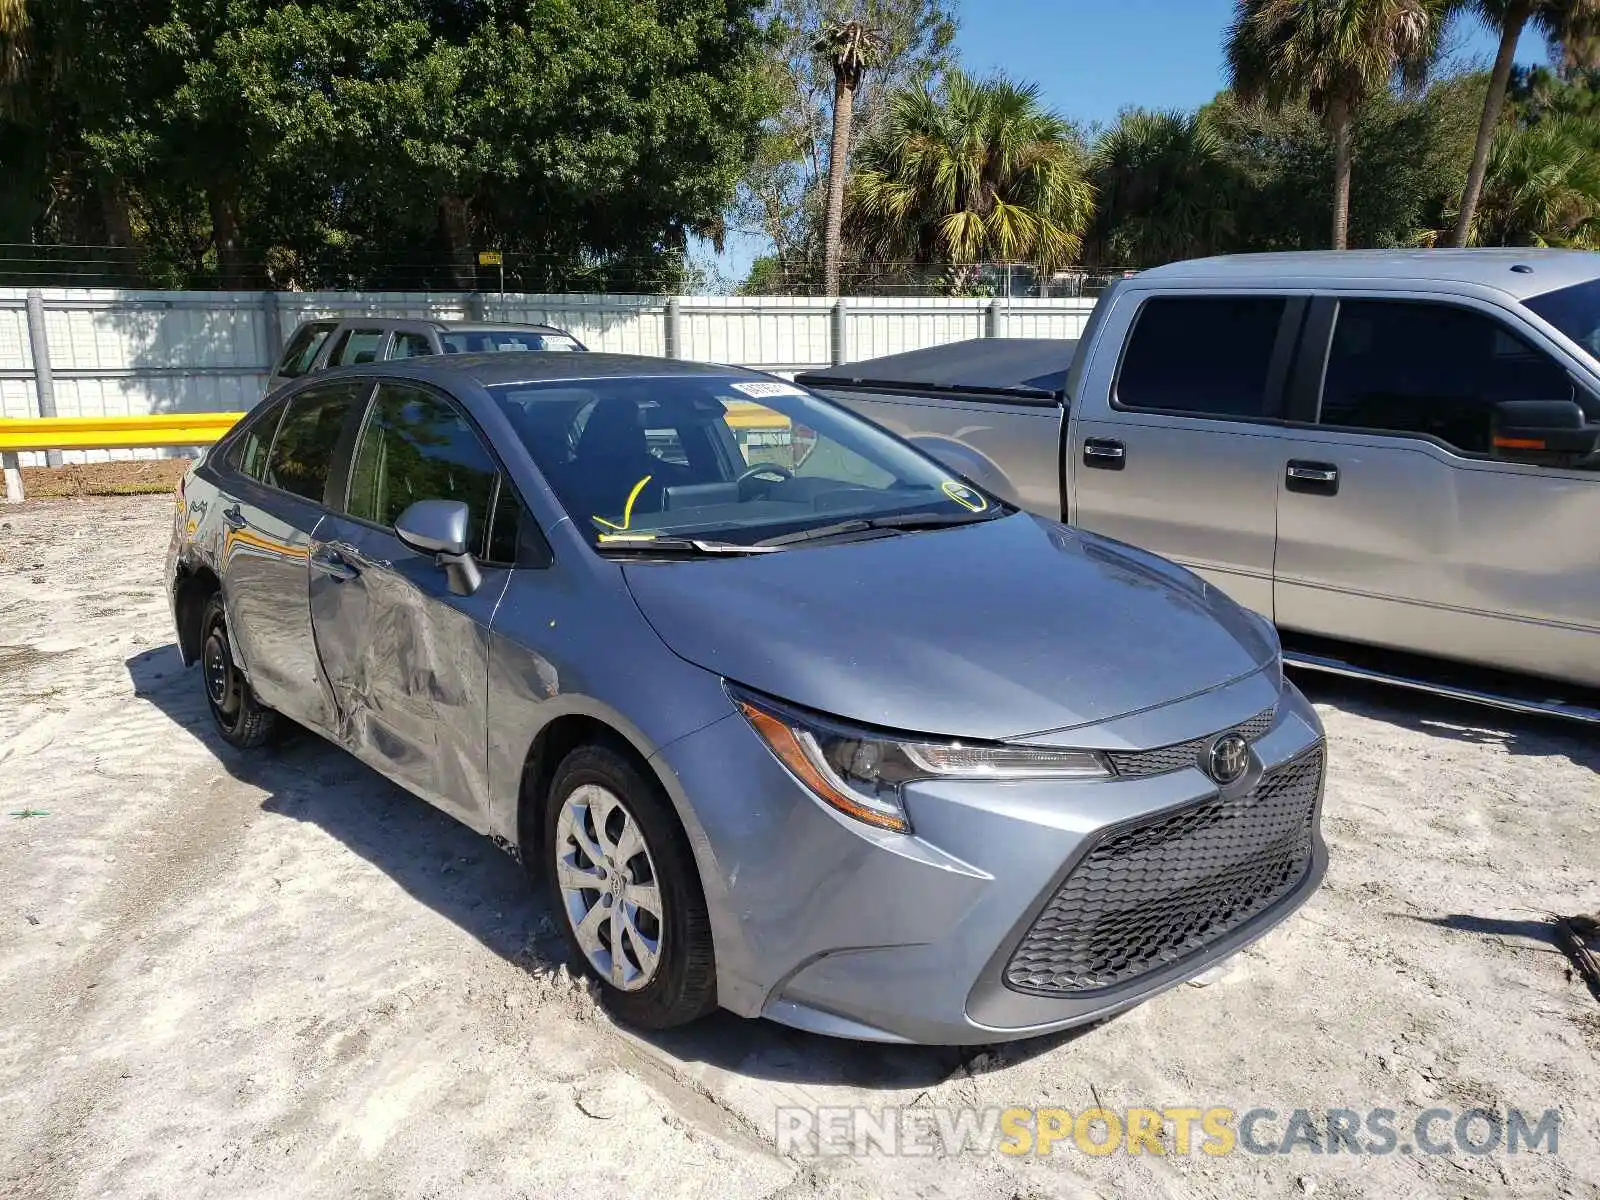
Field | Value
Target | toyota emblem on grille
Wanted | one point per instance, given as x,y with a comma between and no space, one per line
1229,759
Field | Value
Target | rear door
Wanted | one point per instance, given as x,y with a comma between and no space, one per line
1177,447
268,522
406,658
1397,527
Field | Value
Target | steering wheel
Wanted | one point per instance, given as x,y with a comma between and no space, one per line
756,471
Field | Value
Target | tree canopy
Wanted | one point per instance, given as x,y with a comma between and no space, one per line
379,142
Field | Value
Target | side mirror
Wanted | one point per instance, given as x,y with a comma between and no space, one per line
1552,432
439,528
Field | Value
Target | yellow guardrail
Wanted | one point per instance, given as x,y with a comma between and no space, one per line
113,433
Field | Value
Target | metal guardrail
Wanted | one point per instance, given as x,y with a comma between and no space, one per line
103,433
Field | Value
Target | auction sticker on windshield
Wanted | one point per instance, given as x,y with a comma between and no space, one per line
766,387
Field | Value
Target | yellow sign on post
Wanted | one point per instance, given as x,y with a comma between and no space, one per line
490,258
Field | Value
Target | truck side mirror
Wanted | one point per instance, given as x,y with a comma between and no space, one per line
1549,432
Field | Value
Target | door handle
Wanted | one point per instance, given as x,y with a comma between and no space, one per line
331,565
234,517
1106,453
1312,478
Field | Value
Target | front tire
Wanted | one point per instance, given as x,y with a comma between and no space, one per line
624,885
242,720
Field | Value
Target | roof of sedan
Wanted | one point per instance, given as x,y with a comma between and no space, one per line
532,366
1522,272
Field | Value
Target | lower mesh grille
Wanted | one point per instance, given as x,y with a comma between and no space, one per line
1153,893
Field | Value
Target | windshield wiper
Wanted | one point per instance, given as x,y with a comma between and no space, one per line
678,546
894,521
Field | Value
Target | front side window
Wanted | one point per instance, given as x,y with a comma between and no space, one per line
302,349
491,341
409,345
250,455
415,446
357,346
733,459
1202,356
303,450
1436,370
1575,311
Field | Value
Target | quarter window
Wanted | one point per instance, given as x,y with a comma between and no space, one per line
1202,356
357,346
302,349
310,430
1436,370
417,447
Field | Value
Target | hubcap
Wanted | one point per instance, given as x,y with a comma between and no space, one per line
608,887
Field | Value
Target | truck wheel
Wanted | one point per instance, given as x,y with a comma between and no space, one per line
624,881
242,720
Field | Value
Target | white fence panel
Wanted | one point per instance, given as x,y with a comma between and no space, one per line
134,352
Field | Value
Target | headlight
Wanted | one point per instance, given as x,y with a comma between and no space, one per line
862,773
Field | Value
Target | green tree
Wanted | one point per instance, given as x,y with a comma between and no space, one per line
1541,188
1334,55
1572,27
849,48
980,171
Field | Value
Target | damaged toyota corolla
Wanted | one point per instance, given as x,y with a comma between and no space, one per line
785,717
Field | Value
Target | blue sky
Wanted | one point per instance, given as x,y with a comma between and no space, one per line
1092,58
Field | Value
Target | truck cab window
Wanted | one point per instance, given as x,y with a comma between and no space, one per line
1436,370
1202,356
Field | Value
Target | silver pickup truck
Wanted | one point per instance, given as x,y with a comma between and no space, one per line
1394,455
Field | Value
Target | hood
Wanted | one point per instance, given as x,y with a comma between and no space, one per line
996,630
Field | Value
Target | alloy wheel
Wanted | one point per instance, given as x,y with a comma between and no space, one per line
609,887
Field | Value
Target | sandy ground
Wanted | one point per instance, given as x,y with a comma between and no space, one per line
227,975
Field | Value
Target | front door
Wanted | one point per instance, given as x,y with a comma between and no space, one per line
273,504
1183,457
1396,526
406,658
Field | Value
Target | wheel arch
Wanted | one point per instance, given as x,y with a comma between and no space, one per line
195,585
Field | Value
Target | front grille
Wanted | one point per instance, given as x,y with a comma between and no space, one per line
1135,764
1158,891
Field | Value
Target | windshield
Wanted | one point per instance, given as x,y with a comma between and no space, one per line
1575,311
488,341
737,460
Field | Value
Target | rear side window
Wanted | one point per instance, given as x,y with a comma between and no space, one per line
409,345
417,447
250,453
303,450
1430,369
302,349
490,341
1202,356
357,346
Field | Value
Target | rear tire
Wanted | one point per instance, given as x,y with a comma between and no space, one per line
626,891
242,720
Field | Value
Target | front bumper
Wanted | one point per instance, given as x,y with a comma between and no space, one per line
826,924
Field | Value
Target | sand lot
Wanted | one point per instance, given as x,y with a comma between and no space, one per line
230,975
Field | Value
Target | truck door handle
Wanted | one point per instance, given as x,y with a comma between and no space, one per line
1313,478
1106,453
234,517
330,564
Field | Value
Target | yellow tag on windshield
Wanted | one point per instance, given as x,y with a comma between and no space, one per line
964,496
627,509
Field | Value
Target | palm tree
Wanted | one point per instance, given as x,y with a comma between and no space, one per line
1166,189
1333,54
850,49
1571,25
1541,188
980,171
